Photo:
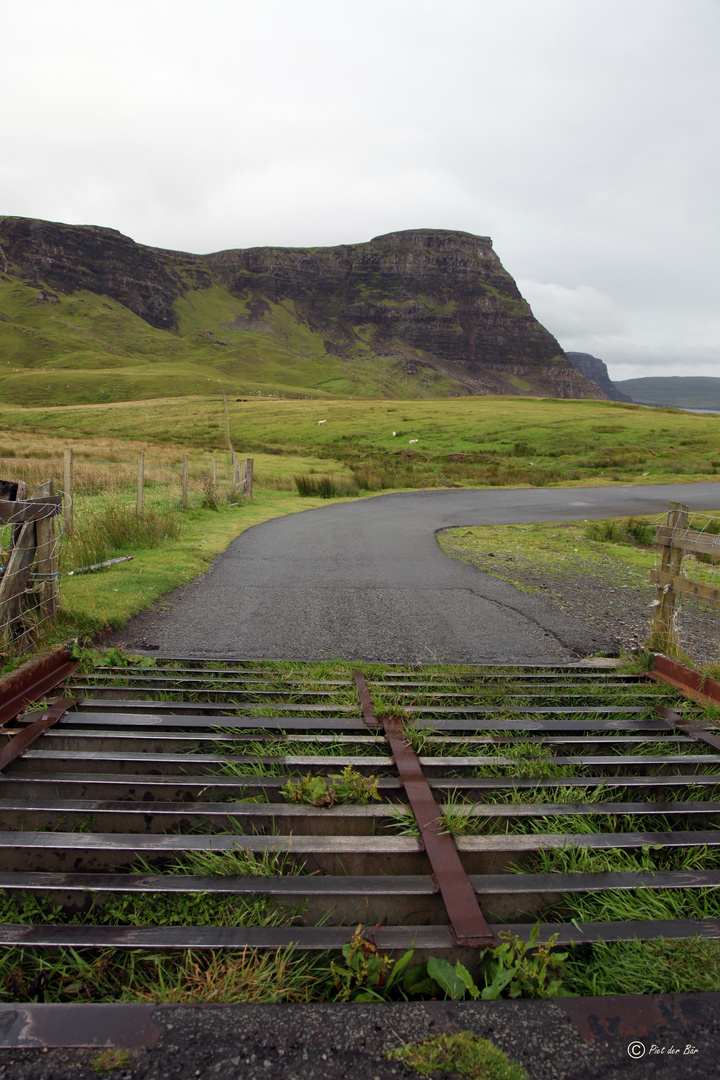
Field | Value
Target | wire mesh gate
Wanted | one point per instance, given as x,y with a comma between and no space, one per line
169,781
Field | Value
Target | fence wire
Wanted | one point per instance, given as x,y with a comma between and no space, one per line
105,483
696,621
99,489
29,592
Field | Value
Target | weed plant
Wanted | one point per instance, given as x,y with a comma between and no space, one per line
349,786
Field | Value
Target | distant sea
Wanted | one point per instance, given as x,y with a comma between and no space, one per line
715,411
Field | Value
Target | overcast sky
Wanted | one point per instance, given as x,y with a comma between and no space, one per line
582,135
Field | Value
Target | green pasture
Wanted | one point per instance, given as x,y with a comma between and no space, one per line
469,442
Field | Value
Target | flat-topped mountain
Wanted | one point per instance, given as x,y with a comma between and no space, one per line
419,313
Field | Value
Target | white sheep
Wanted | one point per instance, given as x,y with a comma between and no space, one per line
320,422
394,432
413,440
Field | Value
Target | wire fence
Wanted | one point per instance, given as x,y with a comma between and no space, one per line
97,509
30,544
164,486
687,575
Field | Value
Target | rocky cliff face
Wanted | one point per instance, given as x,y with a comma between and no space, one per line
426,297
595,369
444,294
73,257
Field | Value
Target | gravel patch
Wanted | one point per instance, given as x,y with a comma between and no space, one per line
608,595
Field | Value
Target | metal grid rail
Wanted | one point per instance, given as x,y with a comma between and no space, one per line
480,775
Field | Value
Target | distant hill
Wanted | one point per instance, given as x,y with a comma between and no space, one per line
679,391
592,368
88,315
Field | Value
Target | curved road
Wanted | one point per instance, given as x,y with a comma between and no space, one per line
368,580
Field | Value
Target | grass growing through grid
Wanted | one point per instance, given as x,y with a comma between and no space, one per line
172,909
529,757
182,977
155,909
660,965
286,744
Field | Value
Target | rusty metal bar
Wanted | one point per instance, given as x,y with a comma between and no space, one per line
468,922
369,716
689,727
29,735
699,687
32,681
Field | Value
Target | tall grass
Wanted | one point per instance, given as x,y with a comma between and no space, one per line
621,531
117,530
325,487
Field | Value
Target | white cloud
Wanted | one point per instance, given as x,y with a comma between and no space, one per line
573,314
633,341
582,136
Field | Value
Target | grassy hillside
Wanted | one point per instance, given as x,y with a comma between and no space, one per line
466,441
85,348
679,391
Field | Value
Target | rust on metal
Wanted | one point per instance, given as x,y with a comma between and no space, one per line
634,1015
29,735
689,727
466,918
699,687
32,681
369,717
77,1025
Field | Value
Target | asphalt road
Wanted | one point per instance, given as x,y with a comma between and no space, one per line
670,1037
368,580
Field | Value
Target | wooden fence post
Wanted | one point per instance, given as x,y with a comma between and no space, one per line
227,421
140,483
670,563
249,477
214,473
45,558
185,482
68,485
